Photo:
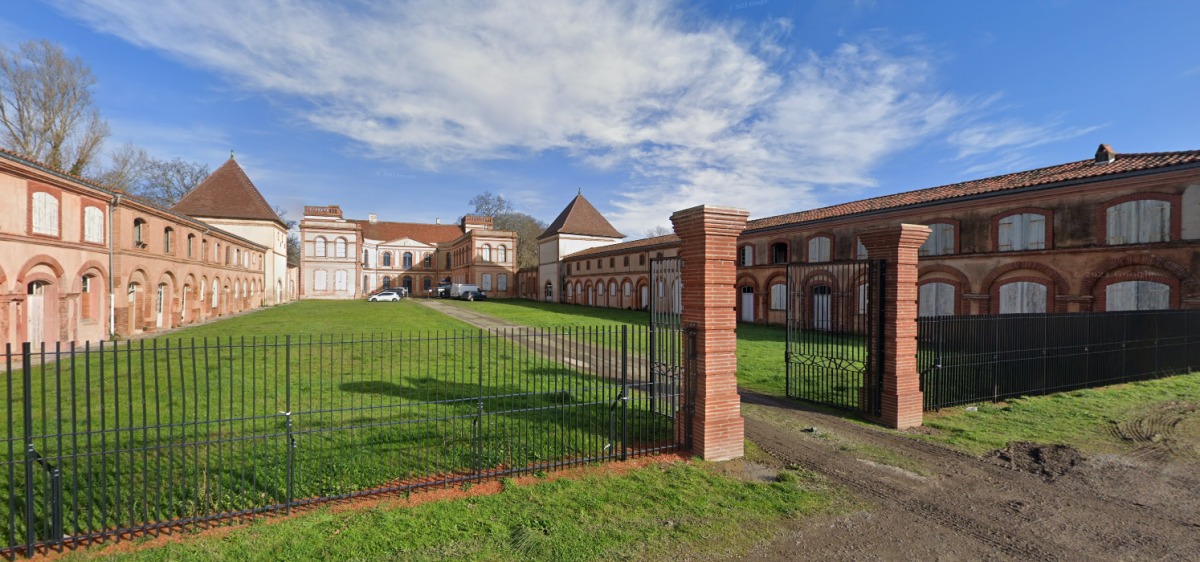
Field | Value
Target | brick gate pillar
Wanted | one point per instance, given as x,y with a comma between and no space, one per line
708,246
902,399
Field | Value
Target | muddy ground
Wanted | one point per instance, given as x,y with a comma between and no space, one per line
914,500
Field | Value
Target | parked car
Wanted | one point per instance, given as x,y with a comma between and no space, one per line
475,295
443,291
389,295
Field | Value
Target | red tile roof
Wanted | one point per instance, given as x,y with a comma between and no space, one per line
421,232
1084,169
580,217
227,194
664,240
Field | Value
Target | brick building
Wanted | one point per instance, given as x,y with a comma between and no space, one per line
82,263
1113,232
348,258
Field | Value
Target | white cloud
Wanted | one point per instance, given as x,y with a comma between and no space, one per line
699,112
1006,146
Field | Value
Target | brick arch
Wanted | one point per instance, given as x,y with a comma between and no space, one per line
1059,282
40,259
746,281
963,282
1185,277
85,268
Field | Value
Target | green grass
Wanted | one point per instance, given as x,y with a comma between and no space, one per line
199,427
1083,419
650,513
552,315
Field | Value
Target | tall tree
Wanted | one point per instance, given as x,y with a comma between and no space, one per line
506,218
46,107
165,182
293,237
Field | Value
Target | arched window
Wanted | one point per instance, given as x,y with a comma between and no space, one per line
89,297
428,260
191,244
1022,297
93,225
1139,222
502,254
168,240
746,256
408,260
216,293
612,288
387,259
1137,295
366,258
237,256
779,252
486,252
935,299
339,248
427,284
627,288
779,296
139,227
1022,231
203,249
819,249
642,259
319,247
940,241
387,281
570,291
45,213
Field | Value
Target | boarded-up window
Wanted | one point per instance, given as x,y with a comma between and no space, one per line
940,241
45,213
818,249
216,293
861,251
339,280
779,296
93,225
319,247
935,299
612,288
502,282
1025,231
747,256
319,283
487,282
1022,297
1139,222
1137,295
627,289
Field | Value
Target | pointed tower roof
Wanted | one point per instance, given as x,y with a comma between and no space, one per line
580,217
227,194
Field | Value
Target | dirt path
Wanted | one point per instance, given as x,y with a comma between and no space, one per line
930,503
922,501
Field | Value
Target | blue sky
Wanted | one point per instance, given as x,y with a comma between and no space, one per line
409,108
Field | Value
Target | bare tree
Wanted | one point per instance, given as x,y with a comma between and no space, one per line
659,230
506,218
127,167
165,182
488,205
46,107
293,237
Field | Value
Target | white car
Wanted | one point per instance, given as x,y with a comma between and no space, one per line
388,295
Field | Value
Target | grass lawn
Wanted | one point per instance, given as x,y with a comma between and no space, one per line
655,512
326,318
1083,419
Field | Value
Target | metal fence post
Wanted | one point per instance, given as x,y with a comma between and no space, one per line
30,451
291,439
624,390
477,446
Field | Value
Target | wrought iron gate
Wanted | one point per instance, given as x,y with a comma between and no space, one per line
672,349
834,332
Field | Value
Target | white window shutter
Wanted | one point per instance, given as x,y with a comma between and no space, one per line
1034,298
93,225
933,299
1005,234
1153,296
1036,232
1010,298
947,240
861,251
1115,224
1121,296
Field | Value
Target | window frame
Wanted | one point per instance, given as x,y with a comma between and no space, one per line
101,230
808,247
955,229
1047,233
50,194
1174,216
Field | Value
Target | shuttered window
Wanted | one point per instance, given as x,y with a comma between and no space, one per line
339,280
93,225
861,251
502,282
487,282
779,296
1137,295
940,241
1139,222
818,249
319,281
747,255
1022,297
339,248
935,299
319,247
1025,231
45,213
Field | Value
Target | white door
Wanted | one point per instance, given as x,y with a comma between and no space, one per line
821,307
645,296
158,306
747,304
36,319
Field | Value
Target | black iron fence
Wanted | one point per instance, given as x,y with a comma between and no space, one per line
114,440
966,359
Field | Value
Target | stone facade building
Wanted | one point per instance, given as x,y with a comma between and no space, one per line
80,263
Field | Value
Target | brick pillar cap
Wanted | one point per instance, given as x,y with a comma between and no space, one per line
710,209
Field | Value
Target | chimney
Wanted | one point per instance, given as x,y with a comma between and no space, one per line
1105,154
372,218
437,220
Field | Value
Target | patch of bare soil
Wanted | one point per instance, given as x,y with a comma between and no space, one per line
1028,502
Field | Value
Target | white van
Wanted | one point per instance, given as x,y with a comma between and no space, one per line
460,288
